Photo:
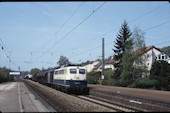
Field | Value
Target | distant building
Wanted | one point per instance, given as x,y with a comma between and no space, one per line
108,65
150,54
90,66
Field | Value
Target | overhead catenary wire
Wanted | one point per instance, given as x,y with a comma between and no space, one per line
148,12
62,25
69,32
109,53
7,54
142,15
156,25
29,62
77,47
144,30
138,18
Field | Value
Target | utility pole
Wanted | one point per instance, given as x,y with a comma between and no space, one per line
103,64
9,68
9,64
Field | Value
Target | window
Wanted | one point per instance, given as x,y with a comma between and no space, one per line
73,71
162,57
61,72
56,72
159,57
82,71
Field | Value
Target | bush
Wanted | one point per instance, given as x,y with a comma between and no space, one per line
110,82
91,79
160,71
4,75
146,83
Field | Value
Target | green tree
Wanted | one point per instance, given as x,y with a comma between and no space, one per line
4,74
166,50
160,71
123,47
122,37
127,63
63,61
34,71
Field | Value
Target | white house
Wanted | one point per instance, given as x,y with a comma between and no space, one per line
150,54
91,66
108,65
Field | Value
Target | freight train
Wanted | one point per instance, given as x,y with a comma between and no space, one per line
70,79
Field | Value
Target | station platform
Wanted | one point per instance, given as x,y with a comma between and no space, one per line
16,97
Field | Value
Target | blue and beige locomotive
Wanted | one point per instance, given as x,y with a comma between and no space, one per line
69,79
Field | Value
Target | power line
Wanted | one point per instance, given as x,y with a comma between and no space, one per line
4,45
70,32
148,12
157,25
7,54
62,25
109,31
129,21
92,49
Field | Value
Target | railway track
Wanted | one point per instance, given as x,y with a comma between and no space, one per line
136,103
62,102
107,104
51,99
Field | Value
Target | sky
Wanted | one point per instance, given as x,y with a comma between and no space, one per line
36,34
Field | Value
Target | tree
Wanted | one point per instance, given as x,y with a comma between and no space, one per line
166,50
4,74
122,38
123,44
138,38
127,62
160,71
139,43
34,71
63,61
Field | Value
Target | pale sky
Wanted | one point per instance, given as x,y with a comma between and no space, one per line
36,34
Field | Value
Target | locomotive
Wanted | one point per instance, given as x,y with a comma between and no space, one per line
70,79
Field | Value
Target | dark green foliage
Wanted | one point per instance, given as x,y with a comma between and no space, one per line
121,41
127,72
34,71
4,74
108,77
166,50
123,53
63,61
160,71
91,78
146,83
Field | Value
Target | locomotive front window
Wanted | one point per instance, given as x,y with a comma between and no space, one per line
82,71
56,72
73,71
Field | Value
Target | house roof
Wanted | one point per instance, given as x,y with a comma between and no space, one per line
137,53
141,51
97,66
106,62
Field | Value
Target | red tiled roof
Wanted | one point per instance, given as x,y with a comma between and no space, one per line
141,51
